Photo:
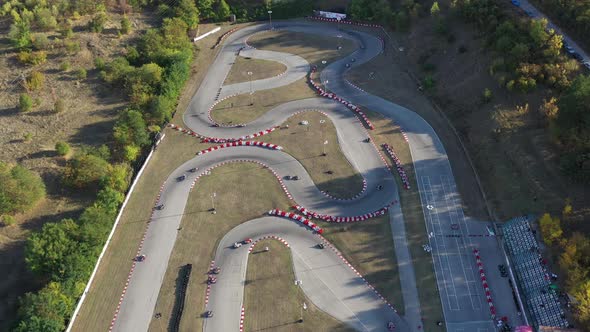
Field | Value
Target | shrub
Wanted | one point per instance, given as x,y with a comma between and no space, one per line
32,58
97,22
62,148
59,105
8,220
65,66
20,33
40,41
429,82
125,25
99,63
72,47
487,95
35,81
25,103
81,73
21,189
28,137
45,19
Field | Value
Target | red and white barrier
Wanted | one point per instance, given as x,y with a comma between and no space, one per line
296,217
183,130
484,283
347,22
240,143
400,168
242,314
333,96
222,37
349,219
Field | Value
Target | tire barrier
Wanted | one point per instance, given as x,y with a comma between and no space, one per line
357,110
184,275
242,315
353,85
329,218
208,290
116,314
347,22
355,197
222,37
184,131
227,140
241,143
266,237
484,283
398,165
298,218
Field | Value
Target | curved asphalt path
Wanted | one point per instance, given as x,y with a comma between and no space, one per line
429,158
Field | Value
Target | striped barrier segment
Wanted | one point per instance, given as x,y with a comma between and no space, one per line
242,315
297,217
241,143
222,37
398,165
484,283
266,237
349,219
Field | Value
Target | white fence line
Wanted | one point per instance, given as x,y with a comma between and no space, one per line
206,34
104,249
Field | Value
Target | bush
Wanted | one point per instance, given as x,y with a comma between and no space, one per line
487,95
27,137
65,66
35,81
125,25
21,189
429,82
32,58
8,220
20,34
59,105
40,41
81,73
97,22
44,19
99,63
25,103
62,148
72,47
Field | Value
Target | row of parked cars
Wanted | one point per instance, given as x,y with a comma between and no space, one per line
569,50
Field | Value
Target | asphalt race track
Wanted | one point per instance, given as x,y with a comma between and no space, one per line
326,279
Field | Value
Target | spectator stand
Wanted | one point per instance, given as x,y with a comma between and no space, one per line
532,276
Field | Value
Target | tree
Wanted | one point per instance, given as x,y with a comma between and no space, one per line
582,295
85,171
550,229
131,129
435,9
45,311
223,10
131,152
45,250
125,25
187,11
119,177
62,148
205,8
25,102
44,18
21,189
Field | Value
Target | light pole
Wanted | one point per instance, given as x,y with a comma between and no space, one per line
322,137
213,203
251,91
270,18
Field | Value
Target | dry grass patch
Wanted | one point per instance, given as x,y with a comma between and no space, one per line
247,107
386,131
305,143
201,231
368,246
269,274
260,69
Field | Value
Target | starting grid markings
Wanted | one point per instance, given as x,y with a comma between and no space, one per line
448,277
